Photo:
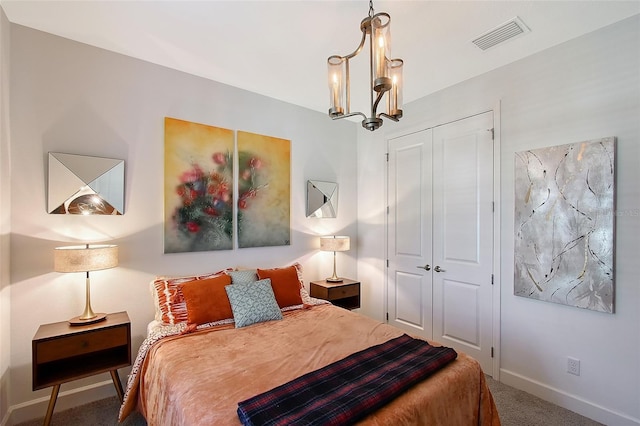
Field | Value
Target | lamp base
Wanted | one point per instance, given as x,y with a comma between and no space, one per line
75,321
333,280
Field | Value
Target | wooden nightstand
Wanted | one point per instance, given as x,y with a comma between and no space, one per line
62,353
345,294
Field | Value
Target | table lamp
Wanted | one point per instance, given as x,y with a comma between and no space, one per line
334,244
85,259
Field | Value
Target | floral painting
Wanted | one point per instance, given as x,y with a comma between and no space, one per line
198,187
264,177
564,224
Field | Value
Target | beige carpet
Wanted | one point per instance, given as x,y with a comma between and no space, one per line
516,408
520,408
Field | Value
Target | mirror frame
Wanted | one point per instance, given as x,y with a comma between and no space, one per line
84,185
322,199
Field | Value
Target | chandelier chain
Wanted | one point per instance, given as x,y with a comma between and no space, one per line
371,11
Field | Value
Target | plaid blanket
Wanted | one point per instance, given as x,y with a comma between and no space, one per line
347,390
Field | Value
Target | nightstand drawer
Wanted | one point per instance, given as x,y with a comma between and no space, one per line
80,344
343,291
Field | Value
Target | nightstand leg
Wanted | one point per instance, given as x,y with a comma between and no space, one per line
52,404
117,384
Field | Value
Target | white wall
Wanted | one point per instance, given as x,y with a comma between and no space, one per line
74,98
584,89
70,97
5,218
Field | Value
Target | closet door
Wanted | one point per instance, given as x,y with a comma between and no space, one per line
409,292
440,235
463,236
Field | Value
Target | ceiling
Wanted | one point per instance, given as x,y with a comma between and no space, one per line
279,48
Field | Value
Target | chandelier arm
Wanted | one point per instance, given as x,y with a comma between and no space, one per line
347,72
350,115
390,117
374,107
359,48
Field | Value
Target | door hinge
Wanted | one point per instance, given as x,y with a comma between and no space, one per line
491,279
387,316
493,206
387,263
387,209
493,133
387,154
491,351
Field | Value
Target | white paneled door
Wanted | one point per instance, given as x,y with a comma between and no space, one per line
409,299
440,229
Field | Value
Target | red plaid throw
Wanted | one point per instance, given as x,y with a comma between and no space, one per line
347,390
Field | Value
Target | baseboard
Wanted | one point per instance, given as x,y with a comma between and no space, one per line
566,400
37,408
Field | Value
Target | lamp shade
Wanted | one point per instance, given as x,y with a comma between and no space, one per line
335,243
85,258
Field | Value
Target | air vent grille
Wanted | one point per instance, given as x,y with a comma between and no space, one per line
510,29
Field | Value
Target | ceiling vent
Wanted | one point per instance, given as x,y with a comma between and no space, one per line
503,32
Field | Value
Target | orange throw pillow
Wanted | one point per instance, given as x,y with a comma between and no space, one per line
170,306
285,283
207,300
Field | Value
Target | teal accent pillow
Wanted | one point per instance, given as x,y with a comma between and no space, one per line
252,303
243,277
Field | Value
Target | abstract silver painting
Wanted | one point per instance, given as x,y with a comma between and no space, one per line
564,224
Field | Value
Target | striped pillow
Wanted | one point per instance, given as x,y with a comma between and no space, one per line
169,300
304,294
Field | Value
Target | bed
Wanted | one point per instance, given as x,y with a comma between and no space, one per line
196,374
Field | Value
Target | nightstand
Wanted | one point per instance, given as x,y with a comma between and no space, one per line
62,353
345,294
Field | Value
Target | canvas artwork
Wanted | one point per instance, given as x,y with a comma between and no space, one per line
198,187
564,224
264,175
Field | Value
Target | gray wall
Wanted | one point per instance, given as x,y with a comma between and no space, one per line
70,97
5,217
584,89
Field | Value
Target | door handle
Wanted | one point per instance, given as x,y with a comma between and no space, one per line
426,267
437,269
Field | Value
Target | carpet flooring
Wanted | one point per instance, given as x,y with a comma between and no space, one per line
516,408
519,408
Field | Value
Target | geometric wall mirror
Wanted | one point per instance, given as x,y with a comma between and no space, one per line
79,184
322,199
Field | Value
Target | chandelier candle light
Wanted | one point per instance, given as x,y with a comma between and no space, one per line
85,259
385,74
334,244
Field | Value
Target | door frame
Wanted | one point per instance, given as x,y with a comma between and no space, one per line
496,290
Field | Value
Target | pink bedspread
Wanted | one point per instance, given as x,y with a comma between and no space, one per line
199,378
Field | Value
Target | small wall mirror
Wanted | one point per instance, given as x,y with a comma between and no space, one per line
79,184
322,199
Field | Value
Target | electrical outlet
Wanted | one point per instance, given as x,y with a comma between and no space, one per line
573,366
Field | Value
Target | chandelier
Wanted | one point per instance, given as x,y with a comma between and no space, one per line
385,74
